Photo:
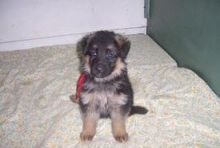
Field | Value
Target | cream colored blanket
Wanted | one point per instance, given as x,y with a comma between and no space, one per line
35,110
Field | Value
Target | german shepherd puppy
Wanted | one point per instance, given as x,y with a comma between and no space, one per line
107,91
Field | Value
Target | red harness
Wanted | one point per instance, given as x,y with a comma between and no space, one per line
80,83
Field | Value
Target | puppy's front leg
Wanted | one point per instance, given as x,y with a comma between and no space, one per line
89,126
119,127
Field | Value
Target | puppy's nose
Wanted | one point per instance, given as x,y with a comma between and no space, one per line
100,68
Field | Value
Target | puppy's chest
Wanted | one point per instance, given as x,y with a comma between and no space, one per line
103,96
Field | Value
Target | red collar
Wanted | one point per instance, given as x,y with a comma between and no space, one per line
80,84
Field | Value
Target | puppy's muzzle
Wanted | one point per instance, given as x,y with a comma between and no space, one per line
100,70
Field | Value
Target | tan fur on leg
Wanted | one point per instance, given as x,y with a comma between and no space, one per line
89,127
119,128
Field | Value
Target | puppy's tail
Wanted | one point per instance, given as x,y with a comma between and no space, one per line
138,110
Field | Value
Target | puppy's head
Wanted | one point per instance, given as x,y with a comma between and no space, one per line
103,54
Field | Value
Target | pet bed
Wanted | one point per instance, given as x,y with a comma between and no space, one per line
35,109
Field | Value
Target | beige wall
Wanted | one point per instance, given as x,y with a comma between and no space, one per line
33,23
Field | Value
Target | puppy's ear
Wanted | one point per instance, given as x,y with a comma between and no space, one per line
83,43
124,45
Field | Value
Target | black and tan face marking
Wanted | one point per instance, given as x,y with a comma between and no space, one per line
102,59
104,53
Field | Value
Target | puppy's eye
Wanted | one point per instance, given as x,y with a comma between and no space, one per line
93,53
110,54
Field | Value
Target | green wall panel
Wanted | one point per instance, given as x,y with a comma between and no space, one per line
189,30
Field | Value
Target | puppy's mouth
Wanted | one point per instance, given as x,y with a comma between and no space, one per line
100,75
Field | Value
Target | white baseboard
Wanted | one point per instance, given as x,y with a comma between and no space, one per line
59,39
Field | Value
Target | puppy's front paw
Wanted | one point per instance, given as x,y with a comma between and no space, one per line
86,136
123,137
